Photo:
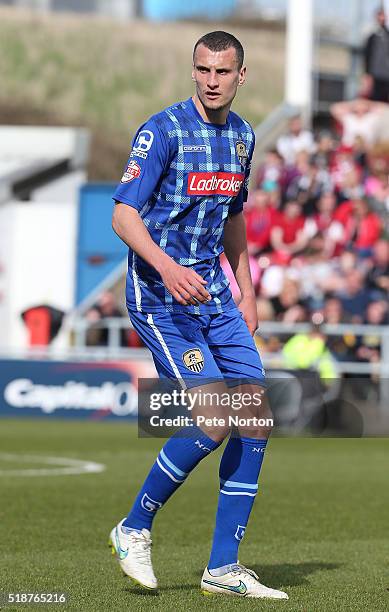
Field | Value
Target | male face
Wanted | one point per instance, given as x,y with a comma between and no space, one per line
381,18
217,77
333,310
381,252
292,209
295,125
327,203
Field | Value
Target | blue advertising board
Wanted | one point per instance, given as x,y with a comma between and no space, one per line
62,389
163,10
99,250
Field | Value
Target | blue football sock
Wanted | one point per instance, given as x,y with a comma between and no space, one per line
177,458
239,471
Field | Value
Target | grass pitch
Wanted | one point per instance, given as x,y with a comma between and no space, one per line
319,528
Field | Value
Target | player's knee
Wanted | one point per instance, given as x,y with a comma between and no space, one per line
217,433
256,432
259,426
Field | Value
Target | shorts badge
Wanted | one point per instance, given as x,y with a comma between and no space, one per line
193,360
241,152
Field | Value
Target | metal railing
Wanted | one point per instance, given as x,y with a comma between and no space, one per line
78,327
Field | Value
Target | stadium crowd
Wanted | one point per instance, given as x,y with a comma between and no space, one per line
318,226
318,234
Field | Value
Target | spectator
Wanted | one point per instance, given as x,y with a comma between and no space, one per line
362,227
333,310
270,175
260,219
375,82
376,187
265,310
377,313
98,335
354,295
378,275
295,140
368,347
359,119
341,266
304,351
346,173
287,237
312,268
341,346
324,222
306,183
325,147
273,277
377,191
288,306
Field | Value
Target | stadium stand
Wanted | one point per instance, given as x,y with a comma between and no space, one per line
318,232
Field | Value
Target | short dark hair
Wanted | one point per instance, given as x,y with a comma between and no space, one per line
221,41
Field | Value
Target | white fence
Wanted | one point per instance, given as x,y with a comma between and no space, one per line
78,327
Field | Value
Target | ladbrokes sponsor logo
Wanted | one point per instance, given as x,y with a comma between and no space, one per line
214,183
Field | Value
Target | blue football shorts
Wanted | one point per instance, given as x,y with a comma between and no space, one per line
199,349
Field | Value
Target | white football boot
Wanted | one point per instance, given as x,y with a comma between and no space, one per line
241,582
133,551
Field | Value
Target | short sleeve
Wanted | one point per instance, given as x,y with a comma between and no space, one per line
237,205
146,164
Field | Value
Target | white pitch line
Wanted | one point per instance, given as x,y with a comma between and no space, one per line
70,466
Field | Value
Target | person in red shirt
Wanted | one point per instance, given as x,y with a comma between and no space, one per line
287,237
362,227
325,223
260,219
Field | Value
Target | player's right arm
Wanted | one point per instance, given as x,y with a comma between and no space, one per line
147,163
184,284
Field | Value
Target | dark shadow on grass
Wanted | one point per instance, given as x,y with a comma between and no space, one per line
137,590
287,574
290,574
275,576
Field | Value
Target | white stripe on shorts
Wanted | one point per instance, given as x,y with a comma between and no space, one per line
165,348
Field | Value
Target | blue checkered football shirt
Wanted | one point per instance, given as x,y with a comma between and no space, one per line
185,176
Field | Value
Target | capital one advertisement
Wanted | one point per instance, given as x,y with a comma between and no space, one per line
86,390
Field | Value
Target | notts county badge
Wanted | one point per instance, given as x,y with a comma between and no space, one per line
241,152
193,360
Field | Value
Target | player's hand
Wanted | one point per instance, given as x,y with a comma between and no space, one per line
248,308
184,284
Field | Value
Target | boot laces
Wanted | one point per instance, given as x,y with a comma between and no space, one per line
142,545
244,570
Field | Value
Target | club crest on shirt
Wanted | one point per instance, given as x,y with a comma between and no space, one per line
193,360
241,152
132,172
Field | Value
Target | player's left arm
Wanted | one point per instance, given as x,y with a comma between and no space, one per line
235,248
